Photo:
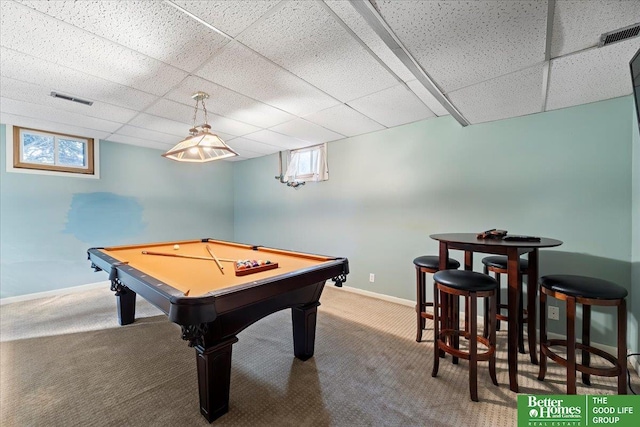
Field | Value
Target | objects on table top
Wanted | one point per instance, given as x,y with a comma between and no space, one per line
502,235
249,266
492,234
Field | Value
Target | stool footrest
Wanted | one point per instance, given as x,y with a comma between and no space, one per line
603,372
481,357
426,315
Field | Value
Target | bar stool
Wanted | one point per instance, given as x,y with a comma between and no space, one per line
426,264
587,291
498,265
471,286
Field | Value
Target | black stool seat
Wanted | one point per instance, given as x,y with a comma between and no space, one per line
433,262
583,287
465,280
501,262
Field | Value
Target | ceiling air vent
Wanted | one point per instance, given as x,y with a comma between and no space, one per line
619,35
71,98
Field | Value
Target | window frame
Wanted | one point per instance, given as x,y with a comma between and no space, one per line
317,174
20,164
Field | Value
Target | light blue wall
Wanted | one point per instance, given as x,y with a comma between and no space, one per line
47,223
564,174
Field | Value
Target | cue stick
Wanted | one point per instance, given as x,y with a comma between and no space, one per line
215,258
186,256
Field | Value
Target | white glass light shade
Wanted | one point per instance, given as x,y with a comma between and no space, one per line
199,148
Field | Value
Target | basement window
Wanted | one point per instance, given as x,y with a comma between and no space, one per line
50,151
308,164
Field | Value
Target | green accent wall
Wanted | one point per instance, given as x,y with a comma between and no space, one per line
47,223
565,174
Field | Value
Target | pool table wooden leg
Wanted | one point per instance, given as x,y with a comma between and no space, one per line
214,378
304,330
126,300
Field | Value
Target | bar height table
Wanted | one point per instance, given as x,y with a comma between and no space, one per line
470,243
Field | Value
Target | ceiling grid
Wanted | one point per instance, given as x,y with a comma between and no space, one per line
285,74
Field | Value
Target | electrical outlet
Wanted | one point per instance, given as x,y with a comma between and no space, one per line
372,277
554,313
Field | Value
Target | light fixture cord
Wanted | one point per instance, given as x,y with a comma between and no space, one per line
204,109
195,113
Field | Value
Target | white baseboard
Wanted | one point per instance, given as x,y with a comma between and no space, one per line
402,301
55,292
410,303
383,297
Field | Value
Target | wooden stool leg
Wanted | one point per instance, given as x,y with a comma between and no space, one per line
498,300
486,319
492,338
456,325
571,345
622,347
520,318
436,330
420,303
586,340
485,330
543,335
473,347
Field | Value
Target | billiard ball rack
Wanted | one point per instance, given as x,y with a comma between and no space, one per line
252,270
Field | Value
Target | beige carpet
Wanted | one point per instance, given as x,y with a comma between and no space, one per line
64,361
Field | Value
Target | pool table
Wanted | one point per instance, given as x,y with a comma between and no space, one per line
197,284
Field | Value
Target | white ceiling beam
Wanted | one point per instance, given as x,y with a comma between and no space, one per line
551,8
378,24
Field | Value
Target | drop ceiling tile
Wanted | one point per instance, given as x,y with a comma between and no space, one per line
238,158
54,77
227,103
28,109
577,25
244,71
307,131
591,75
150,135
231,17
344,120
50,38
184,113
154,29
51,126
306,40
463,43
425,96
515,94
392,107
41,95
140,142
243,145
164,125
361,28
284,142
161,124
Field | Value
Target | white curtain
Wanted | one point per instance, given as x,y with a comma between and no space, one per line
308,164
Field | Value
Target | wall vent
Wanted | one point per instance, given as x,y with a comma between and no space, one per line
71,98
619,35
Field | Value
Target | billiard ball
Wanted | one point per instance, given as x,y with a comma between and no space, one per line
176,247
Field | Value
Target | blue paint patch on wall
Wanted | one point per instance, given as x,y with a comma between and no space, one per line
104,218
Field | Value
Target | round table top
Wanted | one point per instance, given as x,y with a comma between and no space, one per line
471,238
